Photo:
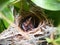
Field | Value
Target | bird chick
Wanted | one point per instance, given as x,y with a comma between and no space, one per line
27,25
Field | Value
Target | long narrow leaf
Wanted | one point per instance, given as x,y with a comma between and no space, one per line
9,15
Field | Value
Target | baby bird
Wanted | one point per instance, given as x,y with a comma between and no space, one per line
27,25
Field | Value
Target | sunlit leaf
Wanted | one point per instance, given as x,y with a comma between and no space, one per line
48,40
9,15
48,4
58,40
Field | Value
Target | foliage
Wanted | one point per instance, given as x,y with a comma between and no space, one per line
4,3
1,26
54,15
51,8
8,15
6,11
22,5
48,4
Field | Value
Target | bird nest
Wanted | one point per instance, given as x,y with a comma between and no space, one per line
35,22
33,25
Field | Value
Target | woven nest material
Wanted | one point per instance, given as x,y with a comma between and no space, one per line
36,14
41,25
42,28
38,19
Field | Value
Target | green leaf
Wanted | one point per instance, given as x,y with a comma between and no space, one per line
48,4
2,27
57,40
17,4
23,5
4,3
48,40
9,15
54,15
58,30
